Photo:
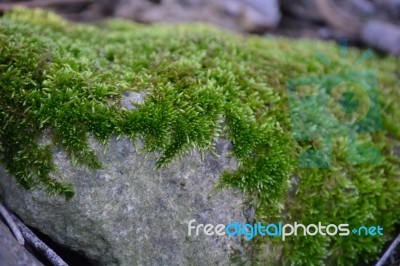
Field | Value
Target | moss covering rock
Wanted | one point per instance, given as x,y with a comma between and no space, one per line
200,85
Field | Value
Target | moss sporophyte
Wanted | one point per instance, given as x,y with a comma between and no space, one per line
201,85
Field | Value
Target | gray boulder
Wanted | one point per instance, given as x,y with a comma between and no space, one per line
11,253
131,214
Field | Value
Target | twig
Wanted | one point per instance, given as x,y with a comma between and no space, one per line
388,251
14,228
38,244
41,3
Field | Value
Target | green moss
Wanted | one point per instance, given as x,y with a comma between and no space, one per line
201,84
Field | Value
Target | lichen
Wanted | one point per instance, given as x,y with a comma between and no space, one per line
201,84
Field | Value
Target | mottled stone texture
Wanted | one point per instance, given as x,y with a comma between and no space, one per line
131,214
11,253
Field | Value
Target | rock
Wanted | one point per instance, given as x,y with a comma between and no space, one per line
391,7
11,253
130,214
245,15
364,7
383,36
131,99
304,9
259,15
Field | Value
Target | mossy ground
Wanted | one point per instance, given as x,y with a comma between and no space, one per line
202,84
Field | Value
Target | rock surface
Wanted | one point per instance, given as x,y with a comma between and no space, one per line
130,214
11,253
